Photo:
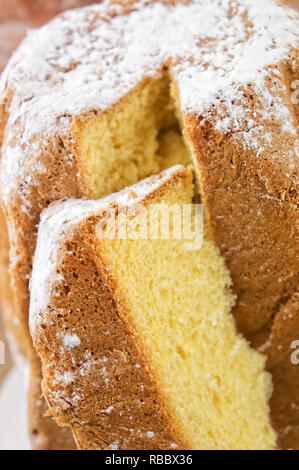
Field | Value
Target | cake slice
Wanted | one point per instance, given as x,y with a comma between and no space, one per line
139,349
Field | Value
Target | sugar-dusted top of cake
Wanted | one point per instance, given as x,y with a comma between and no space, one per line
60,218
89,58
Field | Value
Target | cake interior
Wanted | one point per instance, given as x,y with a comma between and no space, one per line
177,304
140,137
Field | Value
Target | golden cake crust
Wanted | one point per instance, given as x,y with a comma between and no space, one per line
240,123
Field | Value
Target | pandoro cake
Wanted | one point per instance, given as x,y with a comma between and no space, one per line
104,96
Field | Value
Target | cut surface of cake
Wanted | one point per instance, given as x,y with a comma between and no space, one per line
97,99
139,349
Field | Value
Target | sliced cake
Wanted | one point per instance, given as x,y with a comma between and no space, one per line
138,345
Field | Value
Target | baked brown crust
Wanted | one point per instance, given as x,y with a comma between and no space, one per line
17,16
29,10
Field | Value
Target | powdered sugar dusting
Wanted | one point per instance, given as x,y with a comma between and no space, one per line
114,445
71,341
57,221
89,58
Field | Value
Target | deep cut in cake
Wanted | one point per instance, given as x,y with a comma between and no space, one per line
139,349
104,96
